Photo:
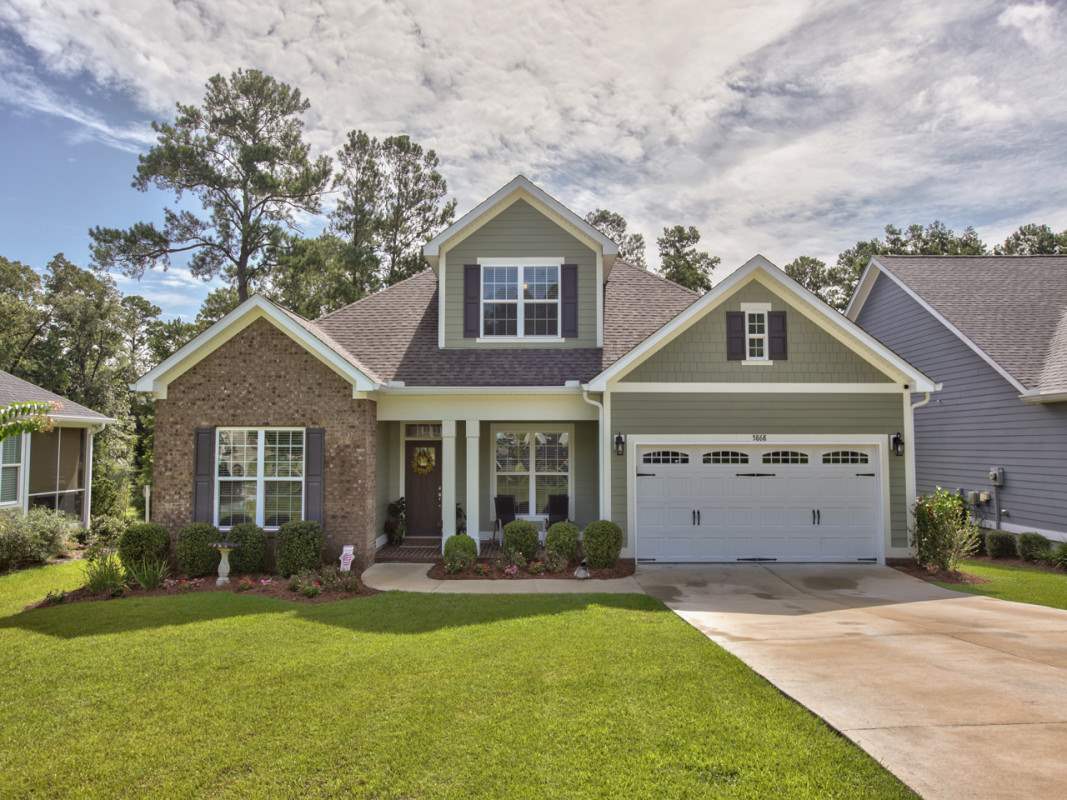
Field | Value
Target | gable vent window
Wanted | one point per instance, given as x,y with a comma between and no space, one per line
785,457
725,457
845,457
665,457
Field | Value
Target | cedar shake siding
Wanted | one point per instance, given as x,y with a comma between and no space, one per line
261,377
977,420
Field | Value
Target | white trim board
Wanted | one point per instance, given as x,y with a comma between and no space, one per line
756,387
1011,527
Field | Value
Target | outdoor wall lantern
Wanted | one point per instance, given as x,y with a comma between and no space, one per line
620,444
898,444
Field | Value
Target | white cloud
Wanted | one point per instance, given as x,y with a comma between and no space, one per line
1035,22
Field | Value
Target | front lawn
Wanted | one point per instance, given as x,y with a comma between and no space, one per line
396,696
1014,582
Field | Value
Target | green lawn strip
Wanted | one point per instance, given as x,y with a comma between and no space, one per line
20,589
1013,582
400,696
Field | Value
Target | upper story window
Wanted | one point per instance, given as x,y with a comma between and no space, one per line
756,335
520,301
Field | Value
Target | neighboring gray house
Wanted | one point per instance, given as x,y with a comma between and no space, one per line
993,331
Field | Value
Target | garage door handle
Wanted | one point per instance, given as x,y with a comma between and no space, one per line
694,517
698,516
646,474
813,516
864,474
754,474
818,516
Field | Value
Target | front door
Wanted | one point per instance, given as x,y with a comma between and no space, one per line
422,488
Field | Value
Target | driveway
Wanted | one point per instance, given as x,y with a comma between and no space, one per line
959,696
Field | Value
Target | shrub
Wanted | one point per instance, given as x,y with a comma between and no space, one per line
1001,545
299,547
105,575
251,549
195,554
148,573
35,537
333,580
980,550
602,542
943,534
460,553
555,562
1059,555
536,567
143,540
562,538
106,531
521,535
1033,547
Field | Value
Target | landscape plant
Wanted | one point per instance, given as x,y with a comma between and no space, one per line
562,538
460,553
299,547
251,552
149,574
1000,544
602,543
34,537
196,557
143,540
943,534
106,530
520,536
1034,547
105,575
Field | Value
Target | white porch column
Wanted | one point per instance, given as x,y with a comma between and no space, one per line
448,480
472,502
909,458
87,497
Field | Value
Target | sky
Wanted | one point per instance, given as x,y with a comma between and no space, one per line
784,128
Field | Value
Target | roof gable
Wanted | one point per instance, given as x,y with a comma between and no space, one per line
16,390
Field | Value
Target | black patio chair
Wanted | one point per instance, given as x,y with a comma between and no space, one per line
558,509
505,513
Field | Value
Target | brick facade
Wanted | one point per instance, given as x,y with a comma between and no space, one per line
261,377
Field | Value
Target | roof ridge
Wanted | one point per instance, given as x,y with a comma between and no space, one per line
656,275
378,293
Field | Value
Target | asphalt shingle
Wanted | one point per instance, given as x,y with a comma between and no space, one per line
16,390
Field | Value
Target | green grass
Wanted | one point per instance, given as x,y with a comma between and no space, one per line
1013,582
396,696
20,589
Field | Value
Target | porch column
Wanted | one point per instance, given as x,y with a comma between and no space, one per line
87,475
472,501
448,480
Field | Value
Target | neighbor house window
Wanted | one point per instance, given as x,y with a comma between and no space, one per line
259,476
10,469
57,470
520,301
531,466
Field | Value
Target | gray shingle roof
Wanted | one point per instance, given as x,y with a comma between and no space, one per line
1012,307
16,390
394,333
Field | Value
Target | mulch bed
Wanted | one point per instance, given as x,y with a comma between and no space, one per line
938,575
278,587
623,568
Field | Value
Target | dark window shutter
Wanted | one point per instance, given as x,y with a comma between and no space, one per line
472,291
314,478
569,295
204,475
735,335
776,334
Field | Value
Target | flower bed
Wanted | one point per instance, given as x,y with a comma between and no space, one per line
494,569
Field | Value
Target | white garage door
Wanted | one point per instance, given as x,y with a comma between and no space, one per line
735,502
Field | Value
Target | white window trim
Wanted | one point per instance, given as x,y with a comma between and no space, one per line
496,428
520,264
260,479
757,308
22,471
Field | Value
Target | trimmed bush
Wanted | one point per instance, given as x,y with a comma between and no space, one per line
35,537
195,554
1059,555
106,531
251,552
1001,545
602,542
943,535
299,547
562,538
460,552
520,535
1034,547
143,541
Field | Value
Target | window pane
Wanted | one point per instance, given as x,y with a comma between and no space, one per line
501,319
11,450
283,455
755,348
541,319
553,452
44,447
9,484
518,486
500,283
237,502
756,323
70,503
540,283
71,451
512,452
282,502
43,501
548,485
238,452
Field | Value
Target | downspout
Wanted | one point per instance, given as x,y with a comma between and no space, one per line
922,402
601,449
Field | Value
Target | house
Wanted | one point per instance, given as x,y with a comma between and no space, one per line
993,330
53,468
528,360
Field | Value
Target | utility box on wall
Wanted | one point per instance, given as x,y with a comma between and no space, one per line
996,476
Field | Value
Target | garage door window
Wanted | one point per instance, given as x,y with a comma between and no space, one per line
844,457
785,457
725,457
665,457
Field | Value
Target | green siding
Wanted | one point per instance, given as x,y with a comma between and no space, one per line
824,414
699,354
386,484
520,231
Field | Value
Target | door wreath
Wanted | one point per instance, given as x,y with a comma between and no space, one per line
423,460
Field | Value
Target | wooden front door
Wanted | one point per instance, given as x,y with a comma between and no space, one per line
422,488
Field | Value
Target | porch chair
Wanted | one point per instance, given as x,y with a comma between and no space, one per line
505,513
558,509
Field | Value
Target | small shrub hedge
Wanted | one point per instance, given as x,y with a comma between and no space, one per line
460,553
299,547
980,549
562,538
520,536
251,552
195,554
1058,558
106,531
143,541
602,542
34,537
1001,545
1034,547
943,534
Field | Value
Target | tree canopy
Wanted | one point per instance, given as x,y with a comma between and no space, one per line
613,225
681,262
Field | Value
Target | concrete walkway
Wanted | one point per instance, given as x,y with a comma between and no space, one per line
413,578
960,696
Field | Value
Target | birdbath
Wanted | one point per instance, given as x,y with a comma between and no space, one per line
224,549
